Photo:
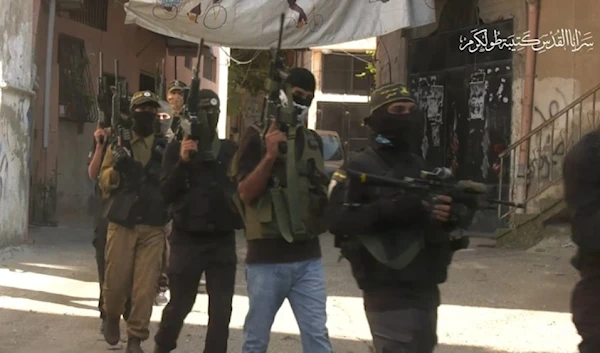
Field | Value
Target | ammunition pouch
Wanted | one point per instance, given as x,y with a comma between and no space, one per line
118,209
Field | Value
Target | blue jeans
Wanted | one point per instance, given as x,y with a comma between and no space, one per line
303,284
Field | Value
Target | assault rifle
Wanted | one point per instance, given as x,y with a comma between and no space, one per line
439,181
161,80
194,122
120,129
103,96
273,106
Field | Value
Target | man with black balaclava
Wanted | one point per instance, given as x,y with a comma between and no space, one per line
96,155
280,263
196,185
398,243
130,180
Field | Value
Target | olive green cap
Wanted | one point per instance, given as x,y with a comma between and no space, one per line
390,93
144,97
175,85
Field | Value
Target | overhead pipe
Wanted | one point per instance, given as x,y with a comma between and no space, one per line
533,10
48,82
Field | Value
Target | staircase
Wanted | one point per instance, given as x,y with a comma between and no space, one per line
541,182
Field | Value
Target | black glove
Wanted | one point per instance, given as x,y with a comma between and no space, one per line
122,161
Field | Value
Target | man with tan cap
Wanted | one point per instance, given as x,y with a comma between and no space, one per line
175,98
130,180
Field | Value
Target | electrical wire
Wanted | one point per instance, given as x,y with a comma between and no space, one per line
238,61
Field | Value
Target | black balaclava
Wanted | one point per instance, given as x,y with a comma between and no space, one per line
401,131
210,104
304,79
143,122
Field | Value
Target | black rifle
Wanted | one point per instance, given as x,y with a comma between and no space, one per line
161,80
440,181
103,97
194,122
121,129
273,107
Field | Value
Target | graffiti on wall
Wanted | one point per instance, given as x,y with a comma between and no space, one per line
489,98
430,99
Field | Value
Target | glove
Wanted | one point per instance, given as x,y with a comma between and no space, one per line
121,159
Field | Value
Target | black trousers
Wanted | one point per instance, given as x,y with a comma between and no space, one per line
187,263
404,331
586,308
99,242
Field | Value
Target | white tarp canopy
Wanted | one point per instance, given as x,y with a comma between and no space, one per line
254,24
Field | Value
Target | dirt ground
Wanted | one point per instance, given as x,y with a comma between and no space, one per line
495,300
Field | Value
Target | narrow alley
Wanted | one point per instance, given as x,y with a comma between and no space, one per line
496,300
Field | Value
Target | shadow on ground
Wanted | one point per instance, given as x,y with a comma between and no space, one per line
75,334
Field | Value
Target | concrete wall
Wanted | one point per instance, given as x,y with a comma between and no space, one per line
61,188
16,83
185,75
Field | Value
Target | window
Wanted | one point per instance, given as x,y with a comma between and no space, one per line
75,89
94,14
147,83
346,119
210,67
187,62
340,72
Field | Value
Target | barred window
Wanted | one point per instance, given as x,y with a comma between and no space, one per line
340,72
94,14
210,67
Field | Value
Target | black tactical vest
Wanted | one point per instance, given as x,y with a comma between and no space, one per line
207,206
142,203
427,265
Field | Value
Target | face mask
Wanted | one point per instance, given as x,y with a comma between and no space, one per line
401,131
301,106
143,123
164,125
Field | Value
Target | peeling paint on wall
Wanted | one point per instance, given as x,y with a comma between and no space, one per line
15,76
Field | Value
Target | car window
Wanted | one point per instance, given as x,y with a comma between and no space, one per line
332,148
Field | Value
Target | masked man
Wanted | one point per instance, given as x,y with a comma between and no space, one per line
398,243
96,155
582,193
130,178
204,223
283,263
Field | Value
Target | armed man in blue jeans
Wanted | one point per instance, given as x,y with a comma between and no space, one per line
279,264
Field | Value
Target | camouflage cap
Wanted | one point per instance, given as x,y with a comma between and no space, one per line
390,93
143,97
175,85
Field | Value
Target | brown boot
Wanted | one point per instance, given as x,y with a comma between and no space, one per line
134,345
112,331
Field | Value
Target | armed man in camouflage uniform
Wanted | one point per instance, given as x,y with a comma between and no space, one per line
130,180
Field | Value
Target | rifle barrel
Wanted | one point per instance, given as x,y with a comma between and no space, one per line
375,180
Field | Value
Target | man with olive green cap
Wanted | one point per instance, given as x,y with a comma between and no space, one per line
397,242
130,181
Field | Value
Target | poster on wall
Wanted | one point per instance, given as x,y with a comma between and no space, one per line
254,24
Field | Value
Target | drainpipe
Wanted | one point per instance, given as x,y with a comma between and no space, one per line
533,7
48,82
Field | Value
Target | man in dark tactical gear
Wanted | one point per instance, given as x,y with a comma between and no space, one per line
95,157
199,192
397,242
582,195
130,180
283,264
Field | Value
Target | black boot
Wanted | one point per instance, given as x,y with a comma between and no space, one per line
112,331
134,345
158,349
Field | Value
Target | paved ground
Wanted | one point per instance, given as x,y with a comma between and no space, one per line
495,301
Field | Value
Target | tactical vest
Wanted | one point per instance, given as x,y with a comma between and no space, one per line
207,205
275,213
142,203
407,254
